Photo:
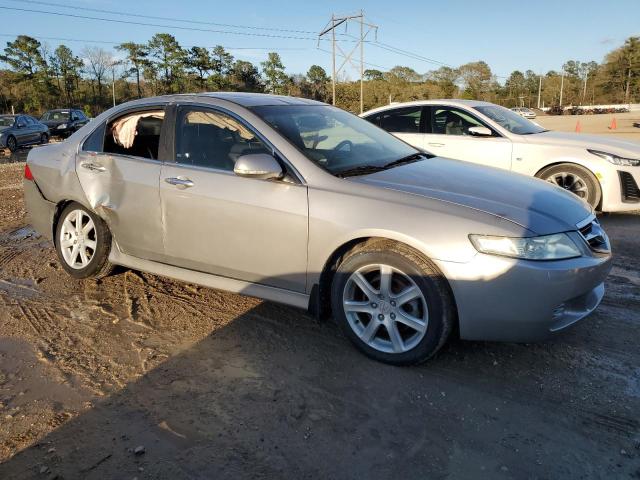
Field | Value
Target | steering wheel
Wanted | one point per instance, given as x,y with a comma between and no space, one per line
342,144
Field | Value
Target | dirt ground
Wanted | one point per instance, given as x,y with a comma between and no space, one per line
595,124
138,376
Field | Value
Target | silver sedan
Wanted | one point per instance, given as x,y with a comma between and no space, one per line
299,202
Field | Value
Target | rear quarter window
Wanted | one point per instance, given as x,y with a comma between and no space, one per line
95,141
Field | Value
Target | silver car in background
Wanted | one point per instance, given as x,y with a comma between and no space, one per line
299,202
524,112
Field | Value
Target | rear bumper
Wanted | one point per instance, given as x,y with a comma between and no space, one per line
503,299
40,211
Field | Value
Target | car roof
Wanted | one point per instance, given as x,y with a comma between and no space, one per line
241,98
444,101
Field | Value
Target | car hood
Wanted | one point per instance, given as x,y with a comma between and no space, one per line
625,148
538,206
53,123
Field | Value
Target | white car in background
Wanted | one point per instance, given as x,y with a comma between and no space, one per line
603,171
524,112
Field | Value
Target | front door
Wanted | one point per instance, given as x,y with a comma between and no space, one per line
220,223
449,137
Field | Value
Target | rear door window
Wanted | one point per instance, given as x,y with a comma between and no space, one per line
401,120
135,134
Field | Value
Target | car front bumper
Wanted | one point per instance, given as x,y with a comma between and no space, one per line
619,188
505,299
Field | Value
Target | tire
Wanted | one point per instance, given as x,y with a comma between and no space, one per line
575,179
44,138
12,143
91,259
374,316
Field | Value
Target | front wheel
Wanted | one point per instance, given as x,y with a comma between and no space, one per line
575,179
392,303
44,138
12,144
83,243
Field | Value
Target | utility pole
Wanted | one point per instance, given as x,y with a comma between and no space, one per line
333,54
539,90
361,61
113,79
561,86
336,50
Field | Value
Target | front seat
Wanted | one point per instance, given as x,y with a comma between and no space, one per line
454,125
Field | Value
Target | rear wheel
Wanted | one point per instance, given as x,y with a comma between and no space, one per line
83,243
12,144
575,179
392,303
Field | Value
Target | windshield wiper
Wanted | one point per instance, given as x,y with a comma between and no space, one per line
361,170
414,157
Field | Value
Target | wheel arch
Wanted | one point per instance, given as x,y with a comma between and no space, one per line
320,301
577,164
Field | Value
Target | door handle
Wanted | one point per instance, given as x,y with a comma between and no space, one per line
94,167
436,144
180,182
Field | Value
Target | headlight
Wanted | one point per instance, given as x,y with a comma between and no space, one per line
62,125
615,159
548,247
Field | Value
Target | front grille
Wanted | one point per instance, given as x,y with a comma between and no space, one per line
630,190
594,235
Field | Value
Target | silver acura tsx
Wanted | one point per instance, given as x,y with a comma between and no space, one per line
299,202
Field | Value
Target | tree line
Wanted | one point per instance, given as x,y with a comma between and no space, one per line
36,78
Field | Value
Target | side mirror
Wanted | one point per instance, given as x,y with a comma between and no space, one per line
258,165
480,131
21,125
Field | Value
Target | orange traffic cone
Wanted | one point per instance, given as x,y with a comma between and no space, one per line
578,127
614,124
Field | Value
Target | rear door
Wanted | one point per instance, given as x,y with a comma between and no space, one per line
220,223
119,174
406,123
448,136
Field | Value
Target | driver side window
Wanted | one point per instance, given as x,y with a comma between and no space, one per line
452,121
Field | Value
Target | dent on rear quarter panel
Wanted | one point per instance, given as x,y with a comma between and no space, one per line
54,169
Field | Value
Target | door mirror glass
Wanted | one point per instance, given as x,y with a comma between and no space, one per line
258,165
480,131
21,124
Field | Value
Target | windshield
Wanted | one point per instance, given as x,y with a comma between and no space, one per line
54,116
6,122
510,120
334,139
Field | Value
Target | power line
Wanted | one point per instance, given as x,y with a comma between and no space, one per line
108,42
151,17
156,25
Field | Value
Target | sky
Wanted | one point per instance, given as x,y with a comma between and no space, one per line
508,35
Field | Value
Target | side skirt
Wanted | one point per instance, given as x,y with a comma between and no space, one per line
264,292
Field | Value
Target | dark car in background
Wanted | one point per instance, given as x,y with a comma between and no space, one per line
63,122
20,130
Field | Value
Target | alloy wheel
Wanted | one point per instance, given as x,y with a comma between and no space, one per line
385,308
12,144
78,240
571,182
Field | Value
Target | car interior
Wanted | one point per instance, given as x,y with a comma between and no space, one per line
135,134
213,140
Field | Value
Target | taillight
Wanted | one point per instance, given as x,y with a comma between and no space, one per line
27,173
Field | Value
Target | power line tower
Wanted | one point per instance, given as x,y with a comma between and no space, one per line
330,27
